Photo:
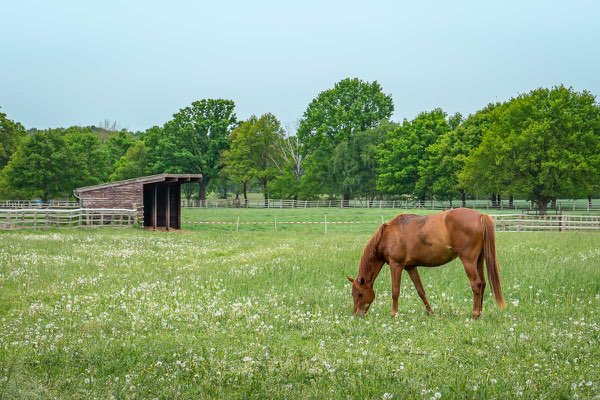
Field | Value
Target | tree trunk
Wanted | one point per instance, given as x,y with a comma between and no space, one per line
463,197
511,201
346,201
202,192
494,200
589,201
542,204
553,203
499,200
266,193
245,194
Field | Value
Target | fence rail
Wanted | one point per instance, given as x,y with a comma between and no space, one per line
36,218
561,205
503,223
38,204
560,222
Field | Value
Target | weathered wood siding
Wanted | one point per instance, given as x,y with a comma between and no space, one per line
125,196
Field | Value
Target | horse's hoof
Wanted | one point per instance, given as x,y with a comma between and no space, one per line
430,312
394,314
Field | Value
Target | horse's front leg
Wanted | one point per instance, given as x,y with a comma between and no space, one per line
396,270
414,275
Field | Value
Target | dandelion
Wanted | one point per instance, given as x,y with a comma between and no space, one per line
248,359
387,396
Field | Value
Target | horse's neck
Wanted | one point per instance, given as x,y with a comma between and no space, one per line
369,269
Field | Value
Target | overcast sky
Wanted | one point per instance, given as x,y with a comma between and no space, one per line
66,63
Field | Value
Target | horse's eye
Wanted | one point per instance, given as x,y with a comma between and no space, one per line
360,295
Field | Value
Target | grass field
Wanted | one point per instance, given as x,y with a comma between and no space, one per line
212,312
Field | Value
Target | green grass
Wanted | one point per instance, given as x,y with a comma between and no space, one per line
211,313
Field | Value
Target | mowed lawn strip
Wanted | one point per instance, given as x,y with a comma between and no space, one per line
261,314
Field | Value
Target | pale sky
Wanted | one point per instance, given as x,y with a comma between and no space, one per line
77,62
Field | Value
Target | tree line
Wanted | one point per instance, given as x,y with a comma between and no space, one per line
538,145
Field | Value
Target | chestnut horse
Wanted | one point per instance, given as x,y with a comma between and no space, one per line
409,241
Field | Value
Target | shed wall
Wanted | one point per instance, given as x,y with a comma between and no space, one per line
125,196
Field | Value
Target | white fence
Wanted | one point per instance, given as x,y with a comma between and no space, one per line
503,223
38,204
561,205
560,223
35,218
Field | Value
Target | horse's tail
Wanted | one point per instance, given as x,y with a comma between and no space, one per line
491,261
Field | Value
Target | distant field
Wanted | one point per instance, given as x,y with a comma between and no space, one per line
259,313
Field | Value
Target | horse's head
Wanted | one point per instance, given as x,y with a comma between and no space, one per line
363,296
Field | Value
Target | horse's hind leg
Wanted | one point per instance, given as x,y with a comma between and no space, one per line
482,279
396,270
414,275
476,284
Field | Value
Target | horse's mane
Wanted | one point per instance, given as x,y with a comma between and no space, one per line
370,253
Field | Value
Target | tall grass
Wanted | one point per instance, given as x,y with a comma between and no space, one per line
247,314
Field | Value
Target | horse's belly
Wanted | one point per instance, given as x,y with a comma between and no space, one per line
437,255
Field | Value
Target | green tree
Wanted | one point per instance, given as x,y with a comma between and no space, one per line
88,162
446,157
11,134
116,145
52,163
133,164
192,142
405,149
254,151
37,167
541,144
288,184
354,162
334,117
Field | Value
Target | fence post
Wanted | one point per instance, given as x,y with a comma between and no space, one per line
326,224
237,226
560,223
275,223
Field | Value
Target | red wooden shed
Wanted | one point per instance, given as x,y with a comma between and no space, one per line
156,197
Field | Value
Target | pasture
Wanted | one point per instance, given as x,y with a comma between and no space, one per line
266,312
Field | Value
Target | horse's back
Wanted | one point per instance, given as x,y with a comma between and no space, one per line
433,239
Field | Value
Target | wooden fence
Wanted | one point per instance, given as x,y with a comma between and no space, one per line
35,218
559,223
38,204
503,222
561,205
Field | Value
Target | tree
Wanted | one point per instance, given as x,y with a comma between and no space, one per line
354,162
88,162
540,144
334,117
133,164
11,134
52,163
405,149
288,182
446,157
192,142
116,144
253,151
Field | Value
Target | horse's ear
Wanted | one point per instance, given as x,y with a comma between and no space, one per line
351,279
362,280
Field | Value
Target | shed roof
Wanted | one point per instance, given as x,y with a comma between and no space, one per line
170,178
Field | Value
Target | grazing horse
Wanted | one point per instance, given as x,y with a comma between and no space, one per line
409,241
